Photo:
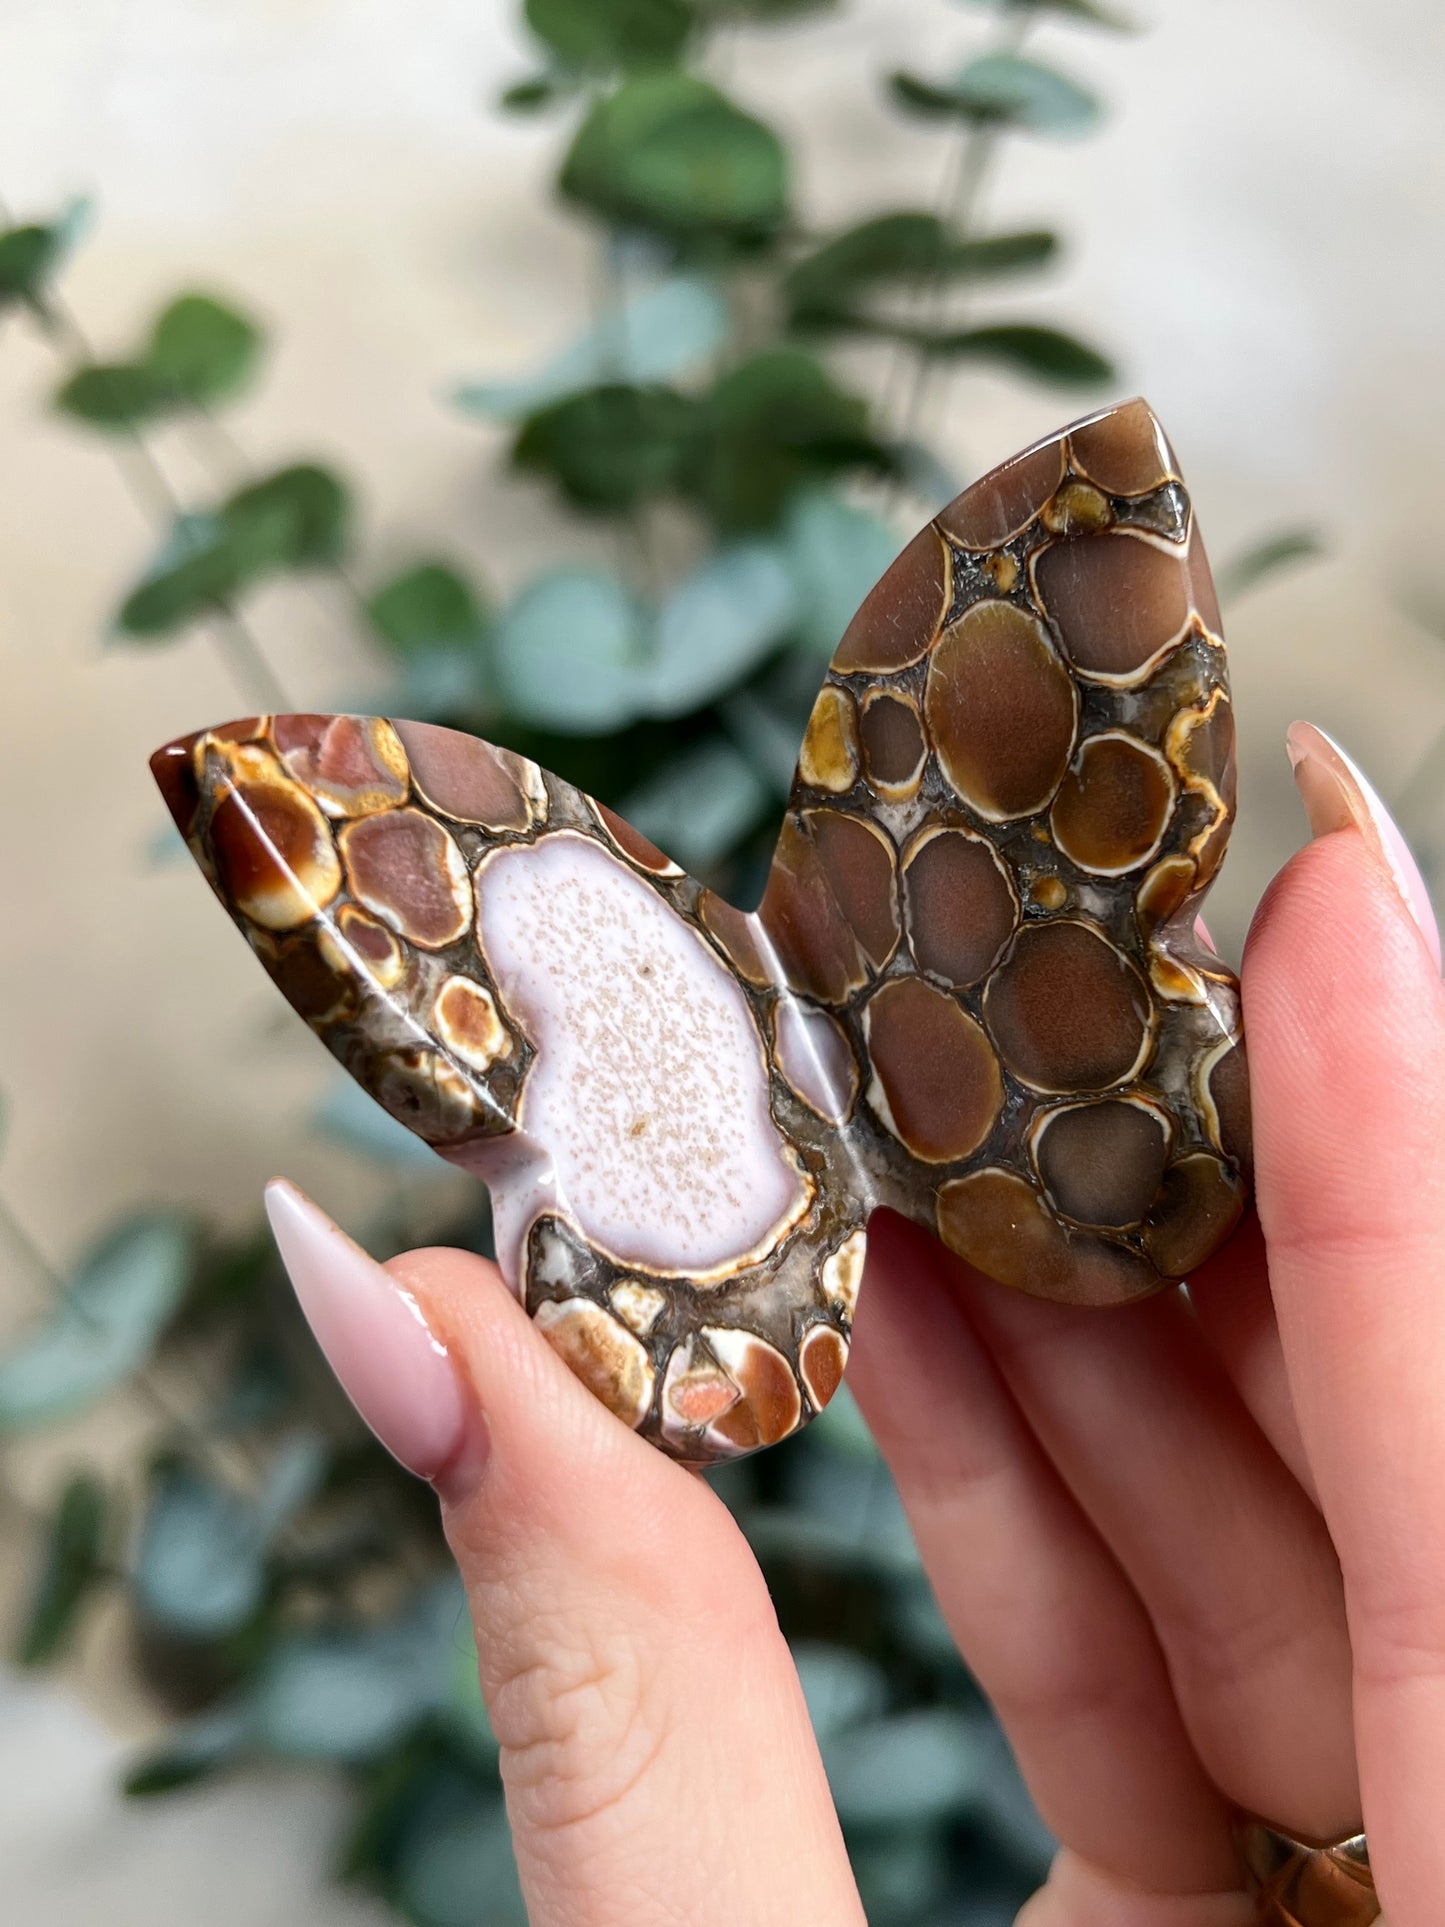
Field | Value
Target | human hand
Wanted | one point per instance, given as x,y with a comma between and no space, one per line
1192,1549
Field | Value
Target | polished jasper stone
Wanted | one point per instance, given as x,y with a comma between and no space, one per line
973,991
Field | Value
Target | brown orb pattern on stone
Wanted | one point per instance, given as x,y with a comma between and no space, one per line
976,938
1003,502
959,904
273,853
828,759
894,746
1033,1002
861,869
997,1222
352,765
804,924
900,617
1102,1163
1001,710
1120,601
1124,450
936,1081
406,868
472,781
1112,808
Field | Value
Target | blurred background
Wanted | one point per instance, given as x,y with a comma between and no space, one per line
567,372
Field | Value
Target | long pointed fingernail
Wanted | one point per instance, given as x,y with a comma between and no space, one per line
1336,794
389,1362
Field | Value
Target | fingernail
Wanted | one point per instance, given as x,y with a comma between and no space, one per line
1336,794
390,1364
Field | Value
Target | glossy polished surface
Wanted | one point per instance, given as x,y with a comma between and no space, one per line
973,991
1301,1885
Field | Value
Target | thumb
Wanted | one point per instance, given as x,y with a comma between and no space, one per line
656,1752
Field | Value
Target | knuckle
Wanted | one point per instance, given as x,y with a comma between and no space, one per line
578,1716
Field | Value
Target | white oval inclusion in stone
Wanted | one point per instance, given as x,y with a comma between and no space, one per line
649,1090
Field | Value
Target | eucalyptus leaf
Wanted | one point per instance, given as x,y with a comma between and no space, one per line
1266,558
1088,11
204,350
73,1567
836,551
296,518
1045,354
670,152
611,447
568,652
908,1768
611,33
105,1327
189,1753
199,1566
1006,90
455,1867
114,395
657,334
429,609
31,253
909,246
717,625
699,806
533,95
840,1686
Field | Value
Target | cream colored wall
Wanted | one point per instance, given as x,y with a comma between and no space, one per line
1257,234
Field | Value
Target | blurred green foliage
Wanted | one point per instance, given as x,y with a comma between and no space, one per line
288,1592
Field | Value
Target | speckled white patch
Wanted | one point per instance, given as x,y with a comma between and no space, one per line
649,1089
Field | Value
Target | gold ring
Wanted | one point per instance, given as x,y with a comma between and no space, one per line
1307,1883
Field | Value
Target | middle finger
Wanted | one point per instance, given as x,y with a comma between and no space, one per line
1222,1544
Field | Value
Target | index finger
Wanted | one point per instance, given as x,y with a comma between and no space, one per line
1346,1020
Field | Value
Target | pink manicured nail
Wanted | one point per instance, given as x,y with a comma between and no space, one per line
396,1373
1336,794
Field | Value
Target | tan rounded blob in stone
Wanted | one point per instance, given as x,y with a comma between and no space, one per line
894,746
472,781
608,1360
649,1089
828,759
901,614
813,1053
271,846
998,1223
1078,509
352,765
1067,1010
1121,602
638,1304
372,947
959,904
1125,451
739,1393
1102,1164
1002,503
822,1363
1113,807
843,1273
466,1020
405,868
1001,710
1200,745
802,920
1164,892
1199,1205
860,865
936,1082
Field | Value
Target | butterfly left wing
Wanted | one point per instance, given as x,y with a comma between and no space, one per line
532,987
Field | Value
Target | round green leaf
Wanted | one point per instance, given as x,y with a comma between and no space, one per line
926,1765
611,33
427,608
669,151
115,395
297,518
203,350
835,551
199,1569
1006,90
30,254
660,333
115,1307
840,1686
188,1753
717,626
569,651
611,447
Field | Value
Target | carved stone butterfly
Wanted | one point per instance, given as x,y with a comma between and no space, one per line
973,991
